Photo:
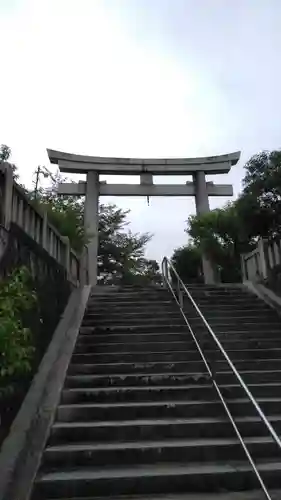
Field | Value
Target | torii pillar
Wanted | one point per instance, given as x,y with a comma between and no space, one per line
91,221
202,206
93,166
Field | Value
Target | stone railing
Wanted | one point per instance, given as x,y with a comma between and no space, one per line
259,265
16,208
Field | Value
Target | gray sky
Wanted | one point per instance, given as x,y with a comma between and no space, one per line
142,78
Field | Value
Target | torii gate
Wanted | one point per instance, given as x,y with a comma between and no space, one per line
93,166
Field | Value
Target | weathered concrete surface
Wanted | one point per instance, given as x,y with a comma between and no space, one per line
265,294
21,451
92,224
145,189
159,166
203,207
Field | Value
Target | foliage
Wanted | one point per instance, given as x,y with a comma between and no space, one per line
261,196
224,233
188,263
121,252
5,153
16,348
221,235
145,273
65,213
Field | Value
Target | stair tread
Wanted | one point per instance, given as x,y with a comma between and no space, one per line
148,470
245,495
157,388
195,374
164,421
156,376
167,443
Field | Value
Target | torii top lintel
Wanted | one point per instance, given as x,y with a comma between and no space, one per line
73,163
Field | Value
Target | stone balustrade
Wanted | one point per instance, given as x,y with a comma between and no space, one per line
17,208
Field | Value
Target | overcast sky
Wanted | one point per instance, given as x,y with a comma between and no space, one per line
143,78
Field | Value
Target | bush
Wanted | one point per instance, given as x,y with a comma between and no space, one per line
16,346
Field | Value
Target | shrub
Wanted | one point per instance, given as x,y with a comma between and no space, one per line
16,346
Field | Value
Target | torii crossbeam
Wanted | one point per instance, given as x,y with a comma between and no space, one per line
93,166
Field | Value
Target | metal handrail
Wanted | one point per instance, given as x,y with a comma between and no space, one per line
166,266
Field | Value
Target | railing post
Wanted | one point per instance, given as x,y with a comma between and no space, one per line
243,268
8,196
83,268
165,268
263,267
45,231
65,239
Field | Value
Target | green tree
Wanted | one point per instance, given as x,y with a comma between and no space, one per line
188,263
121,252
145,272
260,203
5,153
220,234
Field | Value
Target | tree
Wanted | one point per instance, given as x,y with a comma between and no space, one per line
5,153
188,263
65,213
121,252
221,235
145,273
260,202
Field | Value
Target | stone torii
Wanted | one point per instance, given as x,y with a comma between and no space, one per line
94,166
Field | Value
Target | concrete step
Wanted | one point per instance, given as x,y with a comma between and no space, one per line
172,319
231,323
156,479
225,291
84,409
128,313
171,305
136,304
137,338
252,331
172,356
245,495
238,313
124,338
151,452
158,428
156,379
188,346
131,357
136,327
191,312
243,305
175,367
131,297
139,347
136,394
223,299
256,335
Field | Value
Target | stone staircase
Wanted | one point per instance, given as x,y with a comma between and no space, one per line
139,417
